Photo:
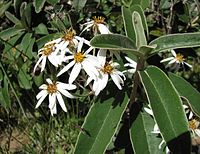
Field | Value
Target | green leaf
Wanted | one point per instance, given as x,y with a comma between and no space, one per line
186,90
12,18
4,7
141,134
1,75
6,93
143,3
102,121
128,24
115,42
79,4
24,77
173,41
8,33
53,2
165,103
38,4
138,26
16,5
139,9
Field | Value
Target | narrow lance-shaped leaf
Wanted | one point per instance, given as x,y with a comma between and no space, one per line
139,9
115,42
101,122
165,103
141,134
128,24
140,35
173,41
186,90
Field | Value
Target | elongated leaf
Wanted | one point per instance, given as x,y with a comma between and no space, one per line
140,35
53,2
186,90
165,103
141,134
128,24
7,33
6,93
79,4
115,42
12,18
38,4
143,3
102,122
4,7
27,44
16,5
173,41
24,78
139,9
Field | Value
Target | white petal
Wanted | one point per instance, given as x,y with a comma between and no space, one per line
88,50
61,101
52,100
43,63
53,110
80,45
75,72
104,81
188,65
61,85
66,93
88,26
53,59
38,62
103,29
197,131
48,80
66,68
167,59
101,55
172,61
40,100
117,80
132,62
173,53
66,58
43,86
41,93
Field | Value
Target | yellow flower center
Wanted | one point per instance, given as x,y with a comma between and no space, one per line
52,88
107,69
69,35
48,49
79,57
193,124
179,57
98,19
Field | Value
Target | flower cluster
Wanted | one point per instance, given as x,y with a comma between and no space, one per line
73,56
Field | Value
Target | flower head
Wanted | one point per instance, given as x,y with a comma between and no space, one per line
177,60
98,25
81,60
54,90
48,52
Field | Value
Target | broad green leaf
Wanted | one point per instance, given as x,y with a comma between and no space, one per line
102,121
41,29
146,49
16,5
8,33
173,41
143,3
186,90
24,77
128,24
165,103
115,42
79,4
12,18
138,26
5,5
139,9
141,134
27,14
53,2
38,4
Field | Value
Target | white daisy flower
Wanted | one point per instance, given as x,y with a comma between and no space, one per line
48,52
98,25
177,59
132,64
107,69
54,90
194,127
81,60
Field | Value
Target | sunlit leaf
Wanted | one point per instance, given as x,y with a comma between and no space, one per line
101,122
12,18
79,4
38,4
165,103
173,41
7,33
187,91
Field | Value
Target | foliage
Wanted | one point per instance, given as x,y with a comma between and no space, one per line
115,119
